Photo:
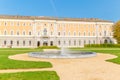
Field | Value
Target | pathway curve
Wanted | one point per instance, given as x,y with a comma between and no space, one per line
95,68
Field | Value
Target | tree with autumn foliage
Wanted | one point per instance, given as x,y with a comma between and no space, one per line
116,31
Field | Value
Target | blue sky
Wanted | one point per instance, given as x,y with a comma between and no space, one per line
103,9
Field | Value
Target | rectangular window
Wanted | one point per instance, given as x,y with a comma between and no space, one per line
51,33
59,43
18,24
5,23
93,41
89,42
75,43
30,33
23,43
29,43
84,41
84,34
12,24
69,42
64,42
17,43
64,34
5,42
79,43
58,33
79,33
11,42
23,24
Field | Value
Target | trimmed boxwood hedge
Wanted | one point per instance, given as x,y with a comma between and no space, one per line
48,47
103,45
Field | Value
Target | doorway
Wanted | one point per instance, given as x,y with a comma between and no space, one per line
105,41
38,43
45,43
51,43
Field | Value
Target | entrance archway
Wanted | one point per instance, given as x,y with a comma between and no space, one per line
105,41
51,43
45,43
38,43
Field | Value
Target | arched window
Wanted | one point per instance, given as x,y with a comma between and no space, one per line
105,41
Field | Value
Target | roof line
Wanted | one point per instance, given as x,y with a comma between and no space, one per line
52,18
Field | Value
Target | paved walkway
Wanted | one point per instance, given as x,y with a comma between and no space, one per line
95,68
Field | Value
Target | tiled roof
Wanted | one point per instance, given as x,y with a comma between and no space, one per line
51,18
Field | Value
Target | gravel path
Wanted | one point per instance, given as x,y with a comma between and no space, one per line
95,68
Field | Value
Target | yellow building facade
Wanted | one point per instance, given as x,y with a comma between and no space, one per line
31,31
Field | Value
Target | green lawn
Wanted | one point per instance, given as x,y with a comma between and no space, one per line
6,63
113,51
42,75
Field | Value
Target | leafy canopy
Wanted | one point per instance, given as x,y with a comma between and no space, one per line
116,31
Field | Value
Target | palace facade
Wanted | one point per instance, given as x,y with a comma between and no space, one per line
31,31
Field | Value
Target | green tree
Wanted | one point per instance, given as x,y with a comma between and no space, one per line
116,31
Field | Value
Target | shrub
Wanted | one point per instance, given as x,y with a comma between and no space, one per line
48,47
103,45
